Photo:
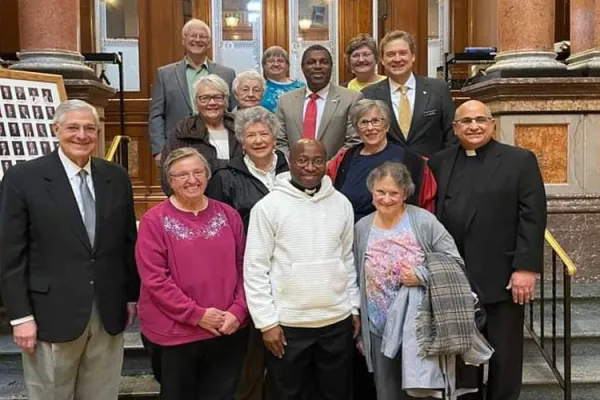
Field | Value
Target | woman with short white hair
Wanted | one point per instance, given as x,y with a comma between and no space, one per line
248,89
211,130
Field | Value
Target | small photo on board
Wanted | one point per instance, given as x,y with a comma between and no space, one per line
20,91
10,111
18,149
4,149
50,112
24,112
37,112
41,130
13,129
28,130
47,96
2,129
33,92
32,149
55,145
6,164
6,92
45,147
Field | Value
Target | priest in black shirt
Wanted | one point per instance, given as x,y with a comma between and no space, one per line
491,198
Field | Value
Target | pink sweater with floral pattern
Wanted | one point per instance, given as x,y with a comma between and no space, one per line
187,264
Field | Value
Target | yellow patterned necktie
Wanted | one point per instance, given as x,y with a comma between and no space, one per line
405,111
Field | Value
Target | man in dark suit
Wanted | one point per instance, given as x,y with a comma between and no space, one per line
422,107
67,266
173,93
491,198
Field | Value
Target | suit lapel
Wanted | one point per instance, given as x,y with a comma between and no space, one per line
444,179
298,114
331,104
484,177
421,100
386,95
183,85
61,192
102,193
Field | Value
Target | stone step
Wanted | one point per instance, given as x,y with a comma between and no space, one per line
141,387
135,361
539,382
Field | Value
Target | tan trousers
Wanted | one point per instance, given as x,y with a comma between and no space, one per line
87,368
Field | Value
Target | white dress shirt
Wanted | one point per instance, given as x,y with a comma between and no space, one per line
267,178
320,105
72,171
411,84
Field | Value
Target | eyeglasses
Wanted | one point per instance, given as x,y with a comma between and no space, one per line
303,162
272,61
376,122
197,36
466,121
205,99
72,128
254,89
357,56
184,176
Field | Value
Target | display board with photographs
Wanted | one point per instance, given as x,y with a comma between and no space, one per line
28,102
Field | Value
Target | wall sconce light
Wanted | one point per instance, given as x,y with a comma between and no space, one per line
305,23
232,21
111,3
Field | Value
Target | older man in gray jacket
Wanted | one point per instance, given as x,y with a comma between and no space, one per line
173,92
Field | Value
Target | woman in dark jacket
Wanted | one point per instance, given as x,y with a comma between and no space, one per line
246,180
211,130
349,168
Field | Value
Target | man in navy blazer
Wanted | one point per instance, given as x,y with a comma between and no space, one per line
173,91
428,128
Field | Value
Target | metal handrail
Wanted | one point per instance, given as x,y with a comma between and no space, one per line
114,146
562,254
568,270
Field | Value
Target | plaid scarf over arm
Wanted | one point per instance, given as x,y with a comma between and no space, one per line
445,321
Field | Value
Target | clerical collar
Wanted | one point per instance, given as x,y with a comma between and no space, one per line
310,192
480,151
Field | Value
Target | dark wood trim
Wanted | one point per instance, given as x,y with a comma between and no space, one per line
275,26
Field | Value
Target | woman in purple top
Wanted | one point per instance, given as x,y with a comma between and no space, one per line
192,306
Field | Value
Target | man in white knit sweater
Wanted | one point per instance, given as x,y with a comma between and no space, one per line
300,280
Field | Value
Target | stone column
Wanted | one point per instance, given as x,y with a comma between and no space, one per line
49,38
585,35
526,36
49,41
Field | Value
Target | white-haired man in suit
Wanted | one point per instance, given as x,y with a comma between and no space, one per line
172,96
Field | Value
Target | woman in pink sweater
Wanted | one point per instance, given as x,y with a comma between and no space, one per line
192,306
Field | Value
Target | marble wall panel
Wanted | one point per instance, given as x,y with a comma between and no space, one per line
549,144
559,143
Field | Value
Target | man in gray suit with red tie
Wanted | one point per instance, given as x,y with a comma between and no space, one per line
173,91
319,110
423,109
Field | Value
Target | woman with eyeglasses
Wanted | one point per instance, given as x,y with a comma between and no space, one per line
276,67
350,168
362,58
248,89
192,306
211,130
